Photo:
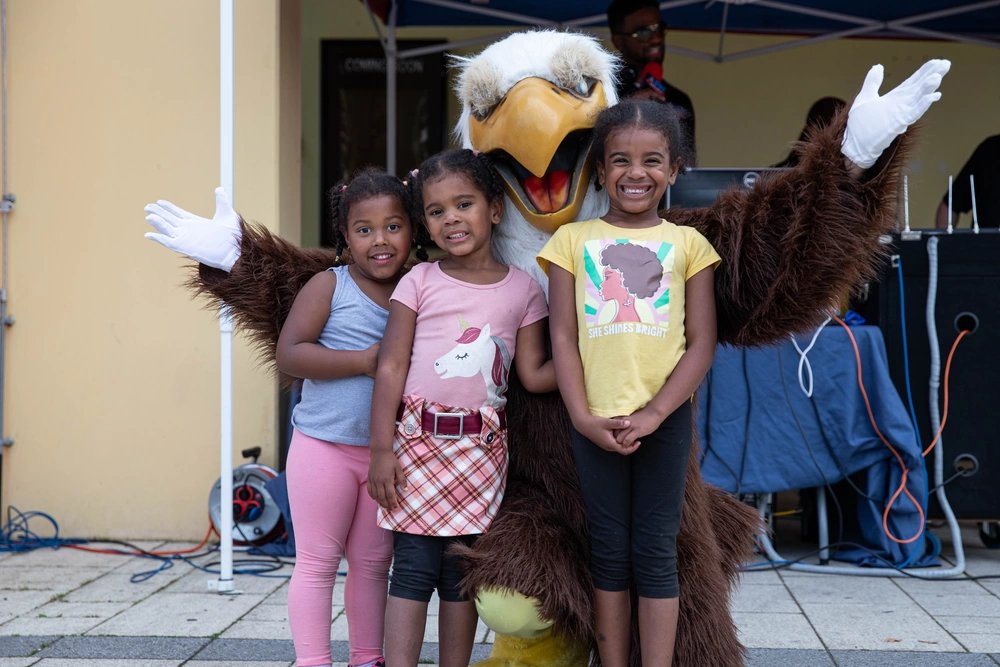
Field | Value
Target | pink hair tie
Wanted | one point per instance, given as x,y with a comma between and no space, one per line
343,188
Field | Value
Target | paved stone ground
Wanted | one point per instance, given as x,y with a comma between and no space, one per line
68,608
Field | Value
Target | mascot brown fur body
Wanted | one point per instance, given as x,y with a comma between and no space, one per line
790,248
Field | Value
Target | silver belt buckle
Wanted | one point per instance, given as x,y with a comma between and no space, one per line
461,425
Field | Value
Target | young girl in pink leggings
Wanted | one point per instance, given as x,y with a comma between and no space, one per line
331,339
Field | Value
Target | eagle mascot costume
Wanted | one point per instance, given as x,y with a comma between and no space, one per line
790,247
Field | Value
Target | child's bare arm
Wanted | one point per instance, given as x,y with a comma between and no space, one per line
700,334
384,471
299,353
536,373
569,366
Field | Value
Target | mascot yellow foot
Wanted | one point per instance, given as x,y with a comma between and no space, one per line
546,650
523,638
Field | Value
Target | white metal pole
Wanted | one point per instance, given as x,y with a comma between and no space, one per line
225,582
951,228
391,52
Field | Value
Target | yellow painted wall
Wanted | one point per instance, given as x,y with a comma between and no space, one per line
112,370
112,378
748,111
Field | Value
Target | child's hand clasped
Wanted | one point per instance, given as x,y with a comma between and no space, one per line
643,422
384,475
602,432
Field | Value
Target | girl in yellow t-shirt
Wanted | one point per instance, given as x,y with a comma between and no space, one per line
632,316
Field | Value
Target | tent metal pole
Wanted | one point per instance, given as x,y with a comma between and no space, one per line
224,584
391,55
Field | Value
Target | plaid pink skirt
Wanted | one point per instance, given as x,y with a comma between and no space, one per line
454,485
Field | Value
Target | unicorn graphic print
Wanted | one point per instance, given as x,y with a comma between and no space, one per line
478,353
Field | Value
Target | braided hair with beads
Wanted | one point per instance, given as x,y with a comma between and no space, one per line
366,184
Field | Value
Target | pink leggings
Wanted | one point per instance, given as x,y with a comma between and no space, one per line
333,514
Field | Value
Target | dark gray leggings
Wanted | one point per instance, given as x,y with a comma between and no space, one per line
634,507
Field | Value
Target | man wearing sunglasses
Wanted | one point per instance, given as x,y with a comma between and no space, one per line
637,32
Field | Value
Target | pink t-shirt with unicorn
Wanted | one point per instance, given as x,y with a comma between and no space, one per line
465,333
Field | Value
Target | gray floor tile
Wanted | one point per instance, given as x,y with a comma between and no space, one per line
764,630
773,598
844,589
15,603
754,577
18,662
62,618
197,581
910,659
132,662
55,580
124,648
956,605
780,657
979,642
850,627
970,624
19,647
116,587
180,615
258,630
242,650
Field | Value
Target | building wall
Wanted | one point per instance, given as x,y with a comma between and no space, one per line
748,111
112,371
112,382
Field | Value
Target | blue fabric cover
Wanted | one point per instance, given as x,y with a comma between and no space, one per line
759,432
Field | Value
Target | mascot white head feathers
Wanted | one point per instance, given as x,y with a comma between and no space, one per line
529,101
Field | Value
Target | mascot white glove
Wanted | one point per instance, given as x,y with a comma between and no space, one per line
874,121
214,242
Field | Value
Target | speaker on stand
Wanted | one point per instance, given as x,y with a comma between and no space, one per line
967,297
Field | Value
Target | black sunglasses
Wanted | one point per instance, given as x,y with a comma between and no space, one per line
646,33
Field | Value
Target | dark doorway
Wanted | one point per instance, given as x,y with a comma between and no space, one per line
352,111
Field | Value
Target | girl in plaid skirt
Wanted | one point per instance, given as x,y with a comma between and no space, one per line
439,437
331,339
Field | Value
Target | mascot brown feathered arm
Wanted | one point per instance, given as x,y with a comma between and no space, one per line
255,273
798,241
262,284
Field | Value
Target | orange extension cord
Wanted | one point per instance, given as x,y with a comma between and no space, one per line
119,552
871,417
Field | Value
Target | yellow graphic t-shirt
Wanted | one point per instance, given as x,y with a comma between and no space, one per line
629,303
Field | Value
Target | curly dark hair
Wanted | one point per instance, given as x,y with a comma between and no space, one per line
640,267
366,184
644,114
472,164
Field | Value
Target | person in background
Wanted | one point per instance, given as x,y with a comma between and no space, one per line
984,166
637,31
820,114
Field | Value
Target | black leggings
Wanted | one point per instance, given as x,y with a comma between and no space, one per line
634,507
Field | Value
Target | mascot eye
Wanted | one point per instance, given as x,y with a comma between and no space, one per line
585,87
461,357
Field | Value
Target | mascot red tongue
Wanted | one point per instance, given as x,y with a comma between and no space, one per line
549,193
789,248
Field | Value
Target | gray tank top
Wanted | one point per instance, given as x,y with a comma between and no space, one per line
340,410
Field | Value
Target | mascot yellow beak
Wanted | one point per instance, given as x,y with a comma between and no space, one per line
540,127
